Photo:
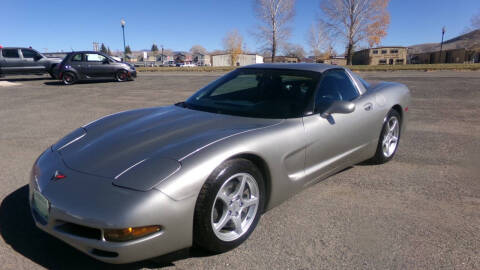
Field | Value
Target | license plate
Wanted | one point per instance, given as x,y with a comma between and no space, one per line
41,205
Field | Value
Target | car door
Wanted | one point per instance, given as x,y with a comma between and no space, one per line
12,63
78,63
31,62
98,66
338,140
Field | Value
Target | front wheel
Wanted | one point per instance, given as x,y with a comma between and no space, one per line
389,138
229,206
121,76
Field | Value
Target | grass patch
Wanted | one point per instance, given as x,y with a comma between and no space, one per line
430,67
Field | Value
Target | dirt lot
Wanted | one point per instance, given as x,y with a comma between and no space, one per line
420,211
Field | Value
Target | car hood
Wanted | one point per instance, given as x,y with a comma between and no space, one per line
111,145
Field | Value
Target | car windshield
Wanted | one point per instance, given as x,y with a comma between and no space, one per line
259,93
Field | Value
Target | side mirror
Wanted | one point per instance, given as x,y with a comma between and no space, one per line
37,57
338,106
106,61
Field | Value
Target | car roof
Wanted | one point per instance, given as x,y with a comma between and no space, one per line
86,52
16,48
296,66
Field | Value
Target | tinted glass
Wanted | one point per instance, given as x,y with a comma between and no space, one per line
262,93
335,85
10,53
94,57
77,57
29,53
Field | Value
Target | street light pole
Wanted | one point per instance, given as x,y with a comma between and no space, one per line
441,44
122,22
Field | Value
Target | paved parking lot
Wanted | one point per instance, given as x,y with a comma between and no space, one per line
420,211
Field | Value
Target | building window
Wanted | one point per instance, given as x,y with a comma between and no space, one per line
394,51
399,61
375,52
384,51
382,61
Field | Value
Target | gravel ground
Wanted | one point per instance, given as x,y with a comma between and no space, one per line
420,211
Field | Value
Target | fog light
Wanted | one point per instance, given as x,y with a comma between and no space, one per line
122,235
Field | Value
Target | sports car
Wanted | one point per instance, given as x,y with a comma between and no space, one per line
142,183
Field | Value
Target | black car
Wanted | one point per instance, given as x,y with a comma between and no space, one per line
25,61
87,65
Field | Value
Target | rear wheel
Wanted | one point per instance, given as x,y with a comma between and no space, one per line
121,75
69,78
229,206
389,138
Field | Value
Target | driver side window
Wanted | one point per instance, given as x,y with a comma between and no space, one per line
335,85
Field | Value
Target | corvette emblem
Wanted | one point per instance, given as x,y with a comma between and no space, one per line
58,175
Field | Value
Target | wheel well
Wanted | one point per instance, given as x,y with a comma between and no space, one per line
263,167
398,108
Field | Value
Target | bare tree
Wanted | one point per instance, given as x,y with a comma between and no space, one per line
232,44
274,15
294,50
198,49
318,41
356,20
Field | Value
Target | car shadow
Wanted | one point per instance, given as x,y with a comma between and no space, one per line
25,79
19,231
81,82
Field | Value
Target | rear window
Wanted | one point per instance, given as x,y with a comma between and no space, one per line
10,53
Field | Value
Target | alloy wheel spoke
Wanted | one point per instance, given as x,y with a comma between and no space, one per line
225,198
393,126
250,202
241,186
222,222
237,221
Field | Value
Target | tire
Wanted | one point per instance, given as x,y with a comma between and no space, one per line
51,75
389,138
69,78
224,217
121,76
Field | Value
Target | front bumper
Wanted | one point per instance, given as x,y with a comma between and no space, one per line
82,206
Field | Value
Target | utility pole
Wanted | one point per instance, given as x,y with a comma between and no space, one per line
441,45
162,55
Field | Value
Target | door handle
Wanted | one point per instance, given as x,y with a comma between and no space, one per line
368,106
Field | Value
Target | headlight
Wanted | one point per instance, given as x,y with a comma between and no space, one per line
122,235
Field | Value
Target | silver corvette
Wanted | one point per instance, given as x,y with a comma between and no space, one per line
143,183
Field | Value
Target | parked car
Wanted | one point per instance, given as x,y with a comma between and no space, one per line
142,183
187,65
87,65
24,61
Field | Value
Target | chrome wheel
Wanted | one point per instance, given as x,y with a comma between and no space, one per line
390,138
235,207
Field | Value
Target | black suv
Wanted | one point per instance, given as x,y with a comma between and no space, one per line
93,65
21,61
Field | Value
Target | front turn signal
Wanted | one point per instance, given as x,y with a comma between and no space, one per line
127,234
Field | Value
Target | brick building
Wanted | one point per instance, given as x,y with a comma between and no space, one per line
381,56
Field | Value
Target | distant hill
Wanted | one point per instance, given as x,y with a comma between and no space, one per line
469,40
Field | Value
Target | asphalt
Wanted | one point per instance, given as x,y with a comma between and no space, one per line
419,211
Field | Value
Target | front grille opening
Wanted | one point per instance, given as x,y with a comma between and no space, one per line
104,253
79,230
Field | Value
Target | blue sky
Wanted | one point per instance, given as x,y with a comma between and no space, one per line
179,24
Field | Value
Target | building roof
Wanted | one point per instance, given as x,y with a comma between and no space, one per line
295,66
